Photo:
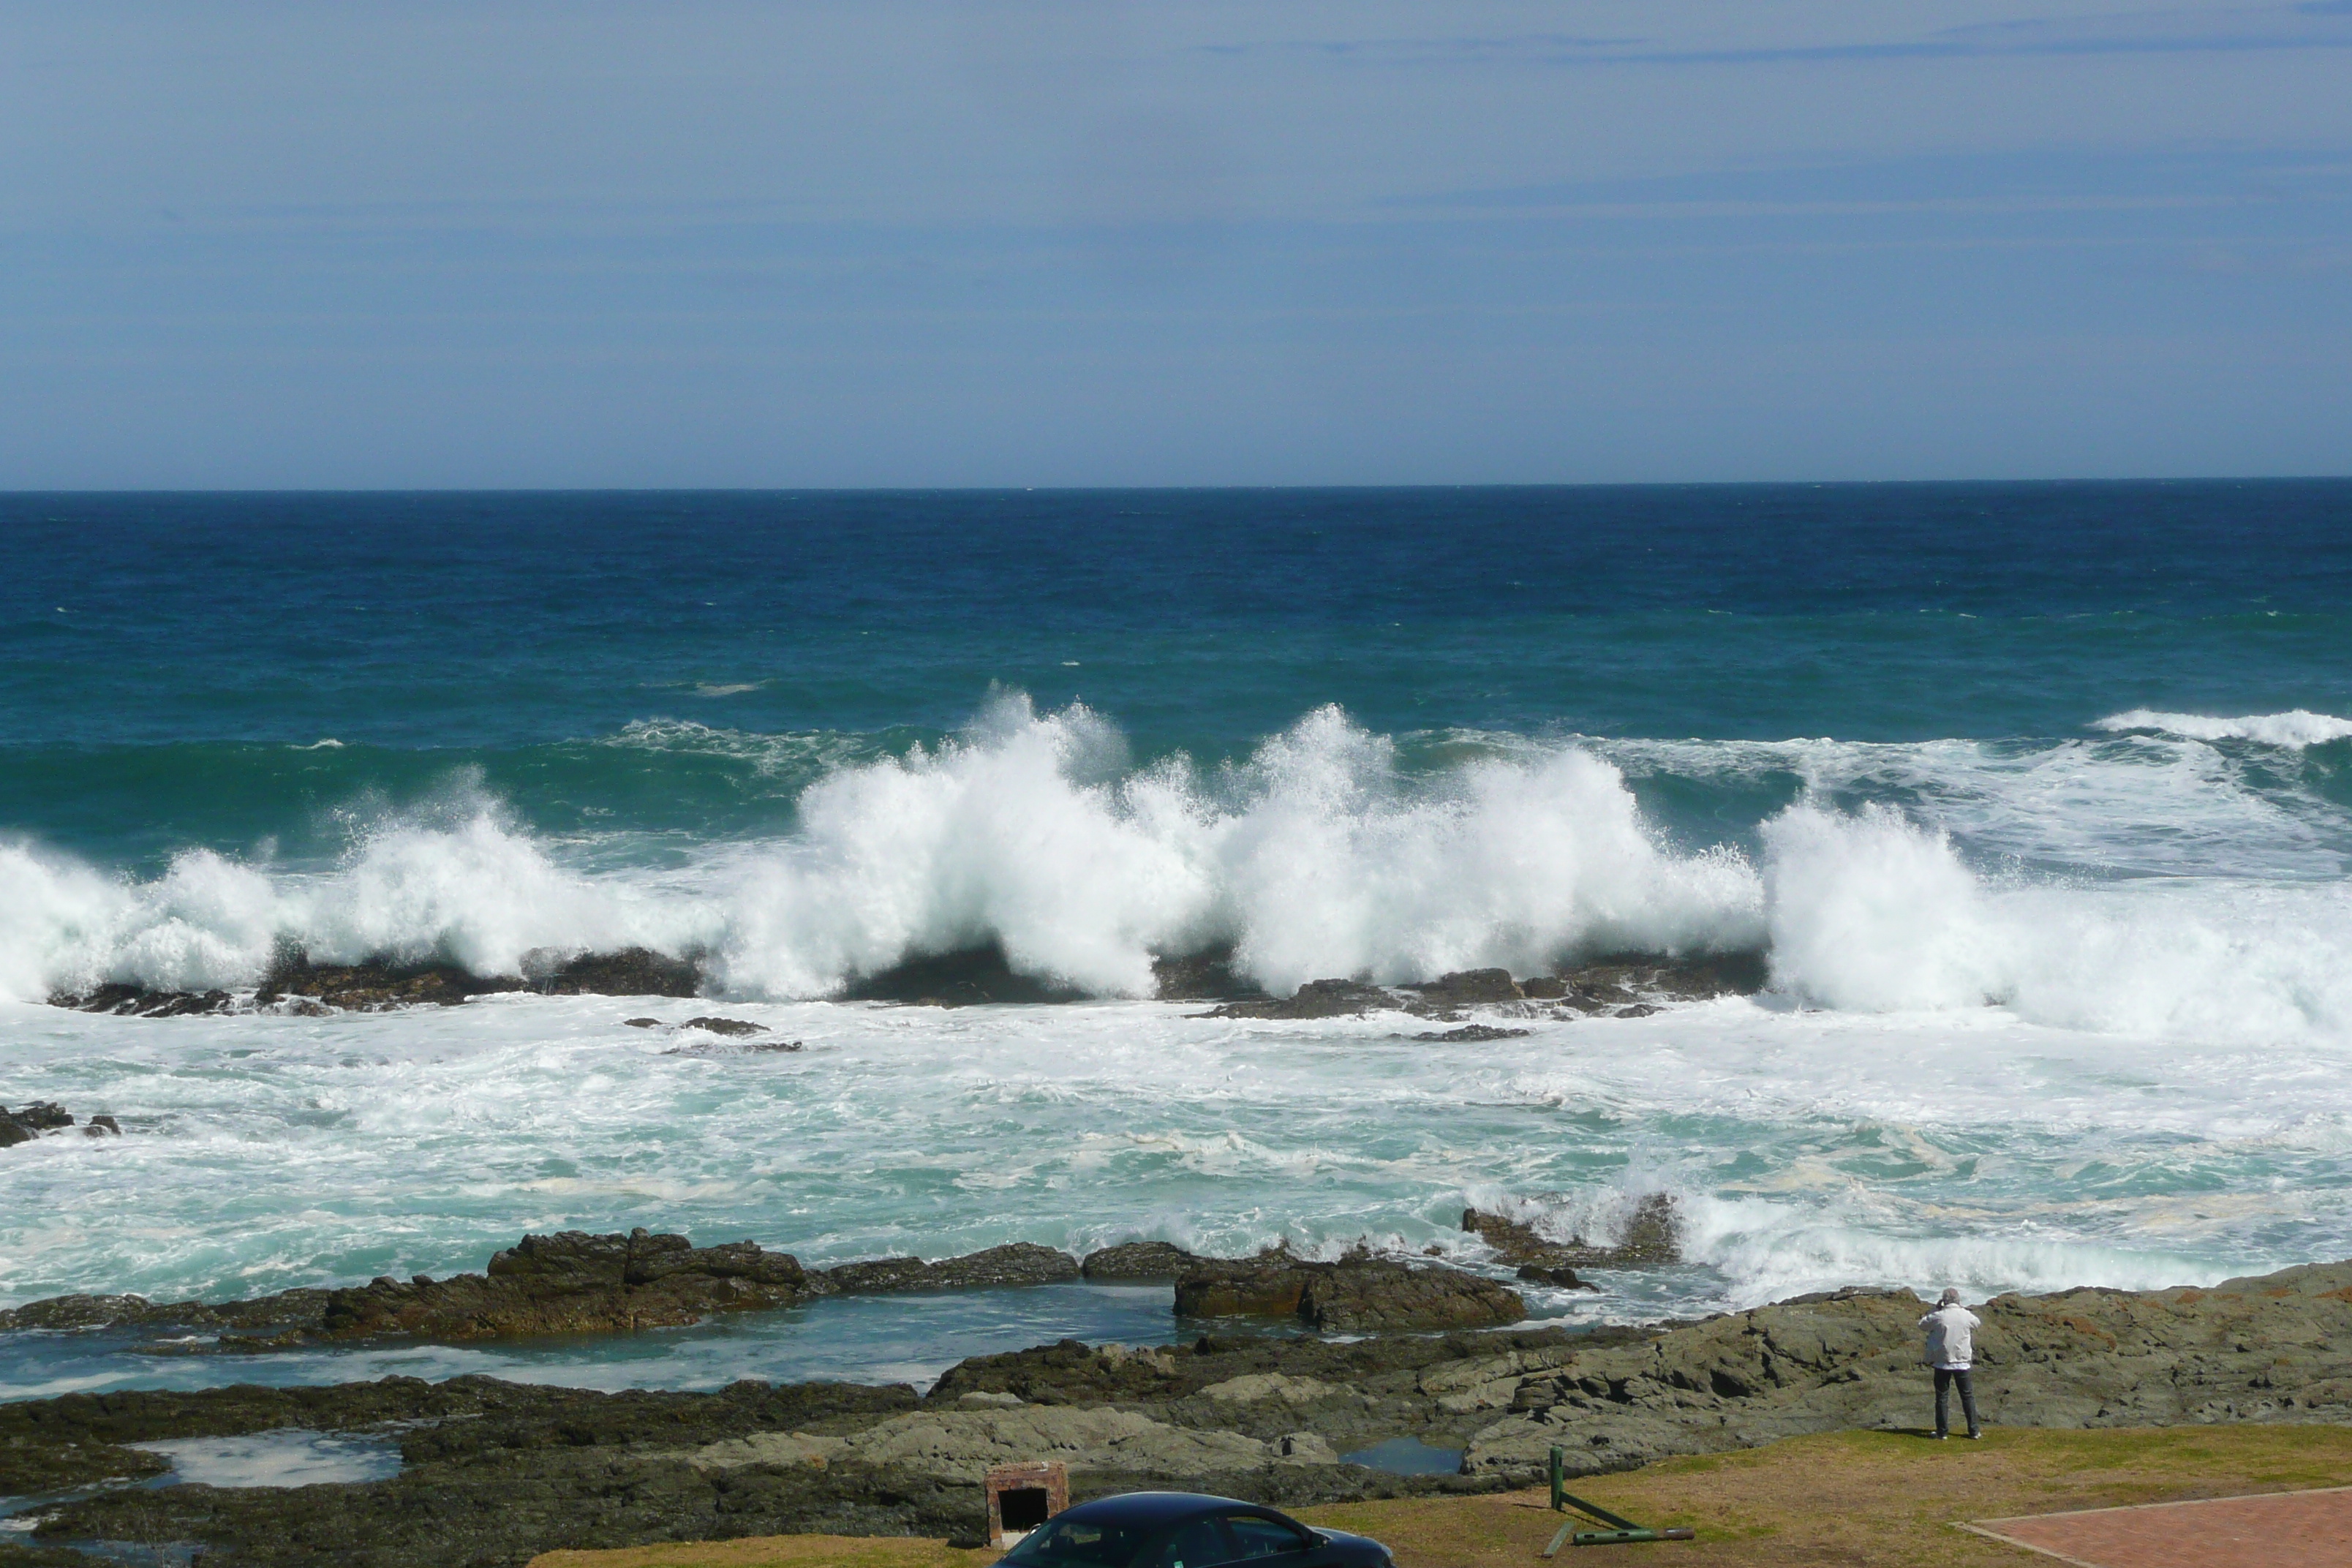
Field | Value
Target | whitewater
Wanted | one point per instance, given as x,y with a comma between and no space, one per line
2031,806
2075,1012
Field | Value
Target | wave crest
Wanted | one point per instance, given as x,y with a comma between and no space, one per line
2294,729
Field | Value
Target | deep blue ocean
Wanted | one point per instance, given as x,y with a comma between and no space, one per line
2036,800
162,657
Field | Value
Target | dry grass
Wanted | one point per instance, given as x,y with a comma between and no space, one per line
1880,1499
777,1552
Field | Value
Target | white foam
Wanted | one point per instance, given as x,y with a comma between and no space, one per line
2295,729
1323,854
1871,913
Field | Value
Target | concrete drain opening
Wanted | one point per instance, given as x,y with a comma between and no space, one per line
1022,1497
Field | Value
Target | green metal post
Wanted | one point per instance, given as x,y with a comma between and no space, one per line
1559,1479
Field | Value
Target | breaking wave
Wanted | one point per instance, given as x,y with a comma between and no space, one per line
2294,729
1322,853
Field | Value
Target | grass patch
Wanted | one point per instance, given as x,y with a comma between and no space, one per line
1886,1499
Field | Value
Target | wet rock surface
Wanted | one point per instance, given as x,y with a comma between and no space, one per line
2273,1348
1208,976
28,1122
1139,1260
496,1472
632,972
296,985
973,977
1626,987
568,1283
1471,1034
1652,1235
1019,1263
733,1028
1357,1294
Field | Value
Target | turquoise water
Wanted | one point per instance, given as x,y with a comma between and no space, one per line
2035,798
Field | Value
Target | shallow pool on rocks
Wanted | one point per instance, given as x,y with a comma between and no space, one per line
285,1458
1408,1456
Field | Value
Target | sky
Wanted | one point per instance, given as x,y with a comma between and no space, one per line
684,243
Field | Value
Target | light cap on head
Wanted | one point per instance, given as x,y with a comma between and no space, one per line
1951,1297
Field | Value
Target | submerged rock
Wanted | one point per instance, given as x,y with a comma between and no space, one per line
731,1028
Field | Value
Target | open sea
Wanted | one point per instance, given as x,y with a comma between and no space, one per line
2036,799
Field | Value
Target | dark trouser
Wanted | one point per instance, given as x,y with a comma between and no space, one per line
1944,1378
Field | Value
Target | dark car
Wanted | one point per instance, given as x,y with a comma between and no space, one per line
1185,1530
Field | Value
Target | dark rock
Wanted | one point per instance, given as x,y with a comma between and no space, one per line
1139,1260
1204,977
963,979
2277,1348
1638,977
748,1048
729,1026
1469,987
1358,1293
29,1122
138,1001
1316,999
29,1467
14,1556
632,972
1563,1278
1653,1234
641,1023
1019,1263
1543,988
1379,1297
1471,1034
101,1126
375,985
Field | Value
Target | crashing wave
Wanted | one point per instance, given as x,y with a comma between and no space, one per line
1034,837
2294,729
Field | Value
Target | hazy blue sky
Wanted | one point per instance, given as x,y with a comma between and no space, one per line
694,242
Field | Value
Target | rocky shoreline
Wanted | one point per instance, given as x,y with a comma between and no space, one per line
1620,986
494,1472
573,1282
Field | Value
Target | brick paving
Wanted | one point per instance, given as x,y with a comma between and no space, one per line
2279,1530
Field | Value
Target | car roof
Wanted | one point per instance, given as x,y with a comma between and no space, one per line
1155,1511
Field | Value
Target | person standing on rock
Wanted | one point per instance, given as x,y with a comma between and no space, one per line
1951,1350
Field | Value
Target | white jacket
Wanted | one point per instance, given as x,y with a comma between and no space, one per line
1950,1340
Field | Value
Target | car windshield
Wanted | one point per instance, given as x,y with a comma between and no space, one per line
1078,1543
